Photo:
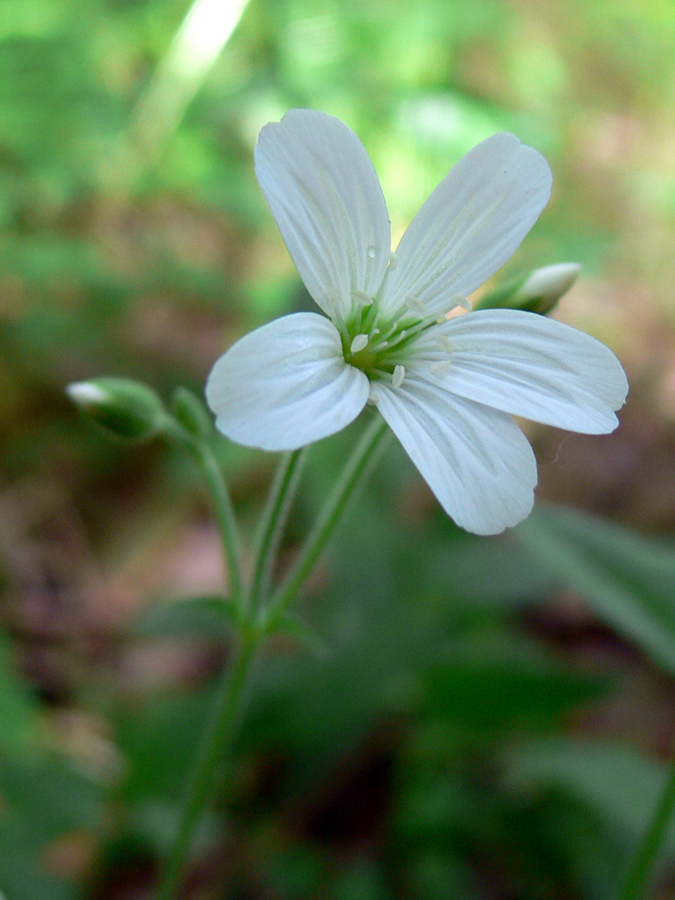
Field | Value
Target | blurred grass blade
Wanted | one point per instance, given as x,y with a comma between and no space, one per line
626,578
619,784
199,41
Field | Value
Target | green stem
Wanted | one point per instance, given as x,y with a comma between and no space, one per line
655,836
226,520
229,699
274,518
356,467
226,708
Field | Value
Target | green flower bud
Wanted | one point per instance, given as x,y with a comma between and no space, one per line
539,292
190,411
126,409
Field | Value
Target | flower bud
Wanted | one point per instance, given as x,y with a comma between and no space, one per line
539,292
192,414
126,409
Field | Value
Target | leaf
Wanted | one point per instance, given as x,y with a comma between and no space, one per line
619,784
628,579
209,616
43,800
505,691
18,707
292,625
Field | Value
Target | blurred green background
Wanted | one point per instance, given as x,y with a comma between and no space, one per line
493,717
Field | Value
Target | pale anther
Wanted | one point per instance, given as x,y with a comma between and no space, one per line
444,343
392,260
440,369
398,376
362,298
359,342
460,300
416,305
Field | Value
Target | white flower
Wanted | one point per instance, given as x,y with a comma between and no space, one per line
446,387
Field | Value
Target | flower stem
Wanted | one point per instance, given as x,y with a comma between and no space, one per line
226,708
274,518
357,466
230,694
652,842
227,525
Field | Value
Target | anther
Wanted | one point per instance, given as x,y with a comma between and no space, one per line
362,298
392,261
460,300
416,305
359,343
444,342
398,376
440,369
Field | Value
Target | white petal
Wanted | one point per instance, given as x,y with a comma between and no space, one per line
327,201
476,460
527,365
286,385
472,223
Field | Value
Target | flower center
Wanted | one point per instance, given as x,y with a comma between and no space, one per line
381,345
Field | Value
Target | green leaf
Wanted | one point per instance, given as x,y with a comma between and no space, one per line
18,707
626,578
619,784
497,687
43,800
209,616
294,626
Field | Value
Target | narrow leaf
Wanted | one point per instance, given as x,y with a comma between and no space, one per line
209,616
626,578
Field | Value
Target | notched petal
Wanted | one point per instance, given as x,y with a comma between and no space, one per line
476,460
471,224
286,385
326,199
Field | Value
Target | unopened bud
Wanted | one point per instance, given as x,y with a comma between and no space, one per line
544,287
539,292
126,409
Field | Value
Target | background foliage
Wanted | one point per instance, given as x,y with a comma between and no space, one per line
492,717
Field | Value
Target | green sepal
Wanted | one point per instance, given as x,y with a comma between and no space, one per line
192,414
501,297
127,410
538,292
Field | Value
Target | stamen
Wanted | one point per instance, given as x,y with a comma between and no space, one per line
359,343
444,342
459,300
440,369
416,305
393,261
398,376
362,298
